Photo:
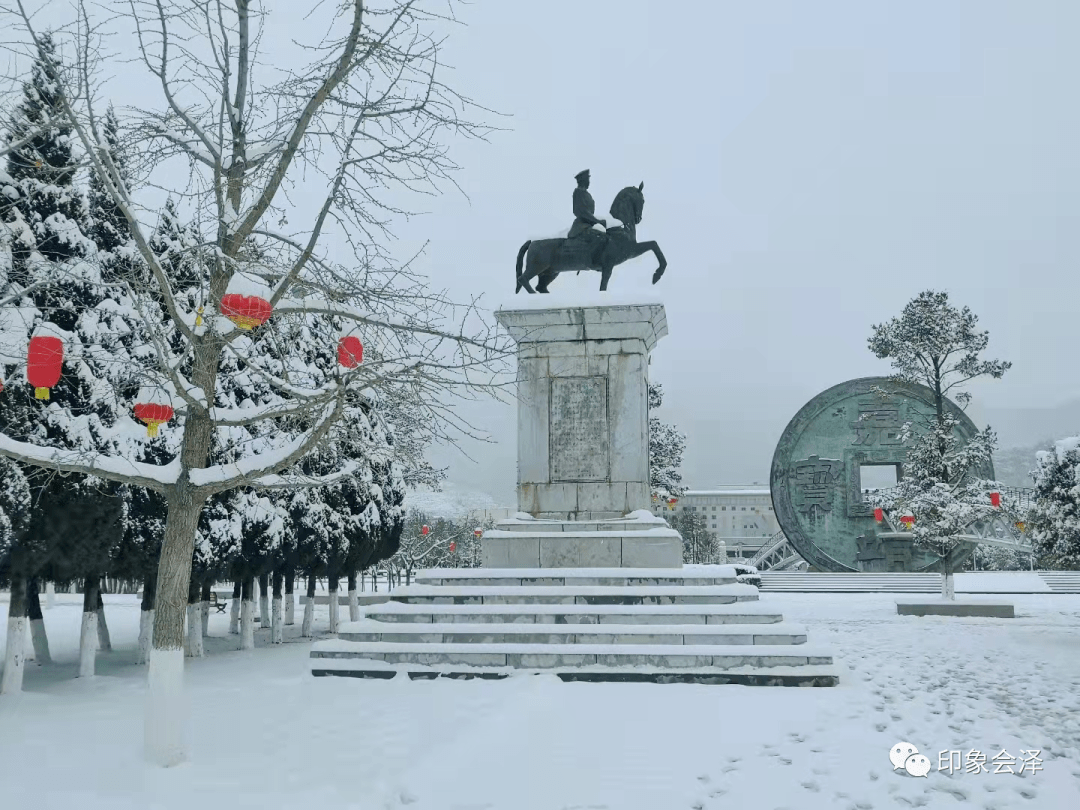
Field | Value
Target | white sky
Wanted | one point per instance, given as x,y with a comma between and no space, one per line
808,168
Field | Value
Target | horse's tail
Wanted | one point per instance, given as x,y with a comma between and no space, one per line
520,259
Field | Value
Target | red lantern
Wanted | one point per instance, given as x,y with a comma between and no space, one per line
879,515
453,547
1,386
908,521
44,360
478,532
153,414
425,530
995,499
350,351
246,311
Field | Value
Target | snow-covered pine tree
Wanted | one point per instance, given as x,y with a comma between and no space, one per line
41,173
309,135
937,345
105,224
56,287
699,544
666,446
1054,521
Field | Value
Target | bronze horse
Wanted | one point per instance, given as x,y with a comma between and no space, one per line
549,257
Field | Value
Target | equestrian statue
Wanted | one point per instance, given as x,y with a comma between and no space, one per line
590,244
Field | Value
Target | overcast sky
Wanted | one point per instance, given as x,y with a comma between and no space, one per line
808,168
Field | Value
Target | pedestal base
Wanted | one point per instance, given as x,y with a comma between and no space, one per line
997,610
640,540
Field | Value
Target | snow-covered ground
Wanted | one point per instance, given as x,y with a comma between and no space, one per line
268,735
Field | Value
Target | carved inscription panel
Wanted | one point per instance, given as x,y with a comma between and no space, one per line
579,429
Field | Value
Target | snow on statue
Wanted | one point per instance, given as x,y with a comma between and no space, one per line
259,400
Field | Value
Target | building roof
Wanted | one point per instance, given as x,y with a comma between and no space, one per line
730,491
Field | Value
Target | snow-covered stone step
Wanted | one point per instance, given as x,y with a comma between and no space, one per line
1062,581
853,582
737,613
545,656
547,633
576,594
746,676
700,575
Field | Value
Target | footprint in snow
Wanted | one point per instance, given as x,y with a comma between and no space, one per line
813,787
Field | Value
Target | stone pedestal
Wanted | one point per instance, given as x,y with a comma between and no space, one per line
583,441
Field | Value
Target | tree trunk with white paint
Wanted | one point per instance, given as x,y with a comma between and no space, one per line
204,607
948,586
88,637
277,632
247,615
50,596
37,623
165,708
234,617
15,653
354,606
309,608
146,617
264,601
104,640
334,613
290,599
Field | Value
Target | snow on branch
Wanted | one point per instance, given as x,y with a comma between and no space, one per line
100,465
222,477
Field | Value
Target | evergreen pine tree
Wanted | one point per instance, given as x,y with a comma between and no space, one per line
1054,522
666,446
106,225
42,172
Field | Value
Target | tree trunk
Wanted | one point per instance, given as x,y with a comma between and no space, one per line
15,655
290,599
88,638
194,648
277,633
333,589
37,623
247,614
264,600
948,585
104,640
146,616
309,607
166,712
354,606
50,596
234,617
204,607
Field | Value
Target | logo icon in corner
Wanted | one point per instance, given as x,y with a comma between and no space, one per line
905,756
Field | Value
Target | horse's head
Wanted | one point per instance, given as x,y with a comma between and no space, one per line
627,205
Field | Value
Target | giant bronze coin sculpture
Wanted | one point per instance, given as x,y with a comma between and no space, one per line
817,470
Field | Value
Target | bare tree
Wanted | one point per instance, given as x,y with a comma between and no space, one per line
364,121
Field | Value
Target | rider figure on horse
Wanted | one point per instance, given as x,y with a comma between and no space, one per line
582,231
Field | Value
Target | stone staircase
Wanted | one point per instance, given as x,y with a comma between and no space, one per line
623,624
1062,581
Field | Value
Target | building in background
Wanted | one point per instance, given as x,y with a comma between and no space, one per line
741,517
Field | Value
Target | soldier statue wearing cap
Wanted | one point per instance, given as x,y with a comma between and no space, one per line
583,207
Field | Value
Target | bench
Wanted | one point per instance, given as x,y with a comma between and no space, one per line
218,602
